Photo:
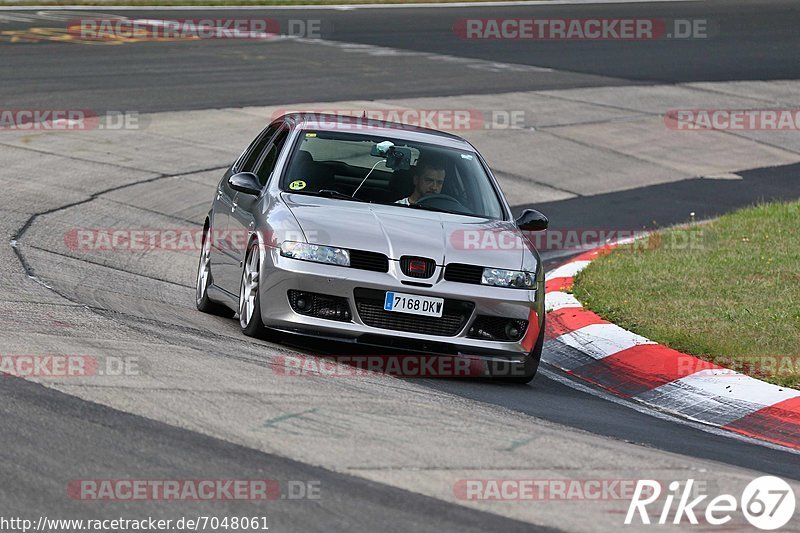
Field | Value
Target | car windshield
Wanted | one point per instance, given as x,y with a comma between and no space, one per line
409,175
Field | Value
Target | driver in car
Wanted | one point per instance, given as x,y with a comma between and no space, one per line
428,179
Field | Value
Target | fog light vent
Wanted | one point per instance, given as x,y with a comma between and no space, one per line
320,305
495,328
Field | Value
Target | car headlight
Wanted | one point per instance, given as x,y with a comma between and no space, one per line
316,253
516,279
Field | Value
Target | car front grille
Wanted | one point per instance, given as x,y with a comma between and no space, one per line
369,261
369,305
463,273
405,266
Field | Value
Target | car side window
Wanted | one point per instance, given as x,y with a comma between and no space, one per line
271,157
251,157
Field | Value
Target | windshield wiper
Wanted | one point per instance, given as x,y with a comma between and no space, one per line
327,193
330,193
437,209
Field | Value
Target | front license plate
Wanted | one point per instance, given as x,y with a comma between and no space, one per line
411,303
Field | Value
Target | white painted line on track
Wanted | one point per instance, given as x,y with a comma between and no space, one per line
385,51
348,47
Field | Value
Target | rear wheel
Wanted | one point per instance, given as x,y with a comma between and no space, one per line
204,280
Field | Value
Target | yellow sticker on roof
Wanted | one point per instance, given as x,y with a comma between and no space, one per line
297,185
311,134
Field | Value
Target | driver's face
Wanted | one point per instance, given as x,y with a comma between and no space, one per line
429,181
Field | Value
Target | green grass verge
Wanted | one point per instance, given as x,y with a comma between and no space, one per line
727,291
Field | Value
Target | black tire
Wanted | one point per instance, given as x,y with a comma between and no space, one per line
249,297
202,301
252,325
525,372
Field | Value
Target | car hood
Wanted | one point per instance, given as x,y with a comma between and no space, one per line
396,231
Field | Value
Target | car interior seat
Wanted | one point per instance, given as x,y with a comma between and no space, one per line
401,184
316,175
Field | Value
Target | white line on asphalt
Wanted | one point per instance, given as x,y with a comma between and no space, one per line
724,176
368,49
385,51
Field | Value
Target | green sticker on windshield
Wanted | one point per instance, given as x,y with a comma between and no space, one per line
297,185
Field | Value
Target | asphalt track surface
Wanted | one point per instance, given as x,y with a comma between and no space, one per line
53,430
755,41
49,438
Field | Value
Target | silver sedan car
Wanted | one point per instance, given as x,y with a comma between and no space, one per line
379,234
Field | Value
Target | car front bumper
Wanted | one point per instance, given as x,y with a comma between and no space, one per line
281,274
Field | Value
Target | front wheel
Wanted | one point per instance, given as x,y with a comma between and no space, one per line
249,298
523,372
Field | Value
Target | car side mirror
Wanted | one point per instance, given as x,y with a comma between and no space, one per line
245,182
532,220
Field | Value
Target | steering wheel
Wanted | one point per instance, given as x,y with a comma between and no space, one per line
443,201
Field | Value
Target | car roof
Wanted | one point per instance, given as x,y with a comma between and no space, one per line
331,122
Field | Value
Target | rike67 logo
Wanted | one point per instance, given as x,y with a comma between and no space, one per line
767,502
